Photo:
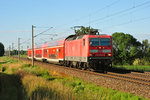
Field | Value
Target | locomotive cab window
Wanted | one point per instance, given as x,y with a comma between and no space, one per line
105,41
94,42
99,41
83,42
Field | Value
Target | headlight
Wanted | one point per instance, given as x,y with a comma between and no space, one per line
106,51
93,51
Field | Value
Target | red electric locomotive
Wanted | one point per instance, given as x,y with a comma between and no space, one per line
83,51
89,51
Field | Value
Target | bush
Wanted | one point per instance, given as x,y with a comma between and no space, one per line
144,61
137,62
14,69
25,65
40,72
48,77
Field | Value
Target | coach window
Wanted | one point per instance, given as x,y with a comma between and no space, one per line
83,42
45,50
59,49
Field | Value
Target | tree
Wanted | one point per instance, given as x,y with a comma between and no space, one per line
1,49
125,48
145,48
85,30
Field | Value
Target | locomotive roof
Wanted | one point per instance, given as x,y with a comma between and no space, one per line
75,37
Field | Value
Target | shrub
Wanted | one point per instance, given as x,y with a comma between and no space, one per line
137,62
48,77
14,69
25,65
40,72
144,61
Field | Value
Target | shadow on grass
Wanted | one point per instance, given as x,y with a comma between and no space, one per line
115,70
10,87
3,62
119,70
123,70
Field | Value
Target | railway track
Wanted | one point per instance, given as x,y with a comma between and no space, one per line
131,78
137,80
145,74
124,77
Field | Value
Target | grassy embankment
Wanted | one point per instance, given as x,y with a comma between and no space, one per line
24,56
133,67
21,81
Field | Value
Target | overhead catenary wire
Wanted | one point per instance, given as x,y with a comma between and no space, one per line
25,41
120,12
37,34
87,15
43,32
131,21
104,21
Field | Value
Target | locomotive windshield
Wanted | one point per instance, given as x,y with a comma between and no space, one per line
105,41
100,41
94,42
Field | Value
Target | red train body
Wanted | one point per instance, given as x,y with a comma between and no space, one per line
84,51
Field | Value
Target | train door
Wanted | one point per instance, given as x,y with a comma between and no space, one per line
57,53
45,53
42,52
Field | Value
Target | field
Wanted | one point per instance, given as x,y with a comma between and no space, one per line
20,81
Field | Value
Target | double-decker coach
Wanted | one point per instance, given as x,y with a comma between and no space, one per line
49,52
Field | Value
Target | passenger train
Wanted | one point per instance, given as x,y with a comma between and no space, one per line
83,51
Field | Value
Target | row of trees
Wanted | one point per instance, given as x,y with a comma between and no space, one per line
14,52
126,49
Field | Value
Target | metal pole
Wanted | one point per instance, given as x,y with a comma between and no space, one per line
9,50
18,48
12,48
22,50
27,47
32,47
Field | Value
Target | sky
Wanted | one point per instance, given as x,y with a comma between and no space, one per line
58,16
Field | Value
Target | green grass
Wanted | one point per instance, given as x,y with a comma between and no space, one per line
79,89
88,91
24,56
37,71
7,60
133,67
